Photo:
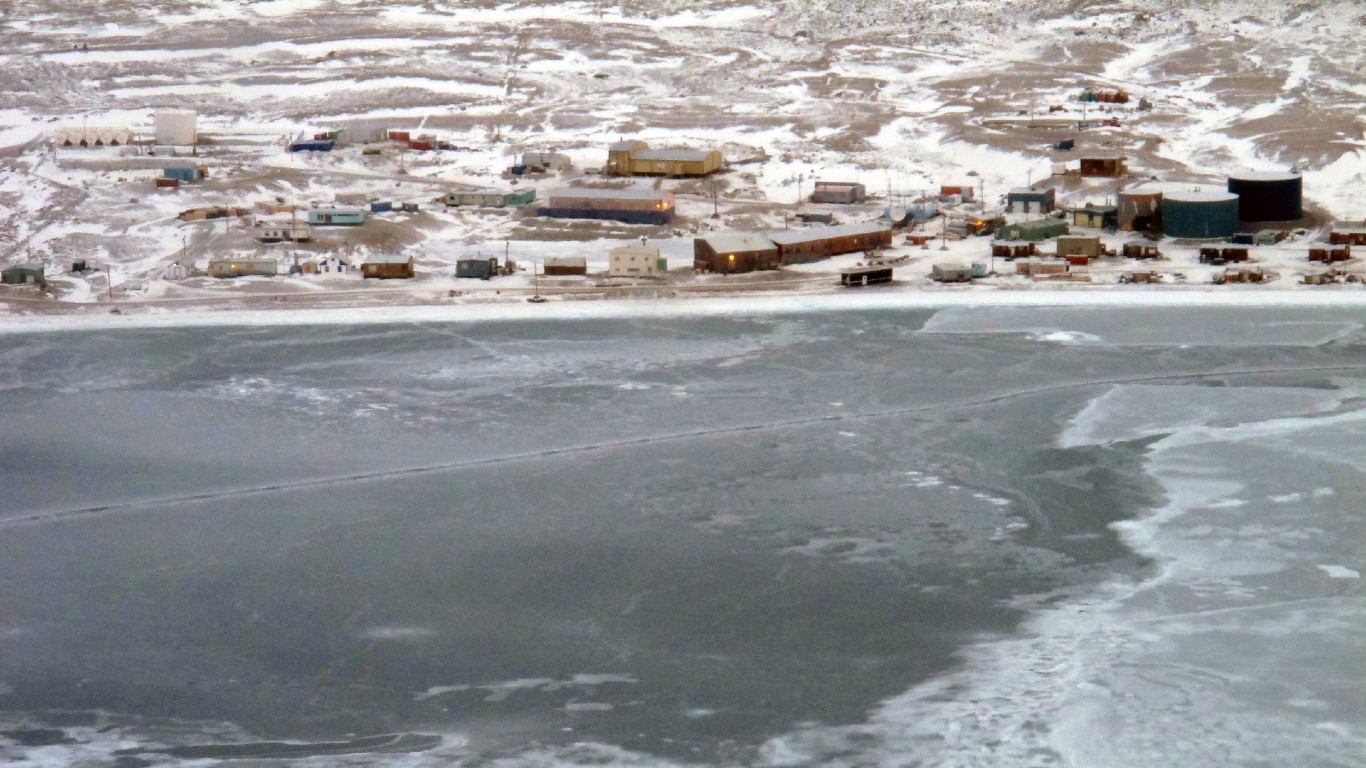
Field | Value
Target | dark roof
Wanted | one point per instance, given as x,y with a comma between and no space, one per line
630,193
792,236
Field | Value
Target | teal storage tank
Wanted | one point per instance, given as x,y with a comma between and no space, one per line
1200,215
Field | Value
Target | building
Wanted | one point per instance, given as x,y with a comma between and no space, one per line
92,136
870,275
796,246
312,145
951,273
632,206
1348,234
1036,200
481,269
24,274
1268,196
636,260
184,173
1199,214
1107,166
337,216
175,127
1013,249
243,266
1033,267
488,198
838,192
1039,229
564,265
268,231
543,162
734,252
963,191
635,158
1080,245
387,266
1140,208
1096,217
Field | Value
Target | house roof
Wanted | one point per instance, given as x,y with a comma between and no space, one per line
630,193
838,184
689,155
30,267
806,235
1029,191
738,242
388,258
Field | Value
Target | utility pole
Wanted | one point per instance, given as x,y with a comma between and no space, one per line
944,233
715,201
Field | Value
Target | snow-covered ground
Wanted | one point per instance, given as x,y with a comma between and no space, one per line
903,97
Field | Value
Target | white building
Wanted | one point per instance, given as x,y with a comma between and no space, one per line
635,260
176,127
92,136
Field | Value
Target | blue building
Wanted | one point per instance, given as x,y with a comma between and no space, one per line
347,217
183,173
313,145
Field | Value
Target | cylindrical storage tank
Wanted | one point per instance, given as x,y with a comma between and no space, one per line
175,127
1137,207
1199,214
1268,196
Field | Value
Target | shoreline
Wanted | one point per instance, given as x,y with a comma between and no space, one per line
270,313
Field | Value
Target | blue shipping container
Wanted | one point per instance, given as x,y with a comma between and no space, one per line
1242,238
181,174
314,145
1066,144
378,207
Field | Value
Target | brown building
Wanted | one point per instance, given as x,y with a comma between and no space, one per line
635,158
838,192
1344,234
565,265
812,244
387,265
1139,208
1111,166
1079,245
734,252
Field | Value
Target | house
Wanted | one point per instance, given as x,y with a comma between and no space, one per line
565,265
24,274
635,158
838,192
1096,217
1030,200
734,252
869,275
1108,166
387,266
337,216
796,246
1034,267
636,260
1141,250
1079,245
243,266
1347,234
488,198
632,206
1039,229
287,231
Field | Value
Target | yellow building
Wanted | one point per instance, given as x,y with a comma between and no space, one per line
635,158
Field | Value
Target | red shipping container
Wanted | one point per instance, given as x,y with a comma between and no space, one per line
169,183
420,146
1078,261
398,136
